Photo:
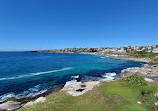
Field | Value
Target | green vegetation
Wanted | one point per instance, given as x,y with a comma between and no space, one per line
142,54
9,99
109,96
92,50
134,80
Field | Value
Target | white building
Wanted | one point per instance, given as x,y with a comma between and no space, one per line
155,50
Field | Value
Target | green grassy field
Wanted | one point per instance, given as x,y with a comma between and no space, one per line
109,96
143,54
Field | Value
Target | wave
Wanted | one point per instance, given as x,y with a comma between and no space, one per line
108,76
30,93
35,74
104,77
103,57
41,88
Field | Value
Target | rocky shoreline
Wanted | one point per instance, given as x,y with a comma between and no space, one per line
149,71
127,57
12,104
77,88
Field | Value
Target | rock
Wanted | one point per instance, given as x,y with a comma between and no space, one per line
150,72
71,85
77,78
80,90
139,102
156,104
155,66
149,80
40,99
29,104
10,106
156,95
75,88
153,62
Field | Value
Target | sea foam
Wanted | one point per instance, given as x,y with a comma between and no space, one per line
35,74
108,76
31,92
104,77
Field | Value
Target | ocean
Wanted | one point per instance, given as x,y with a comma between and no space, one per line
26,74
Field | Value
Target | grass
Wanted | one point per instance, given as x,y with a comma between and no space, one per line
127,97
135,80
109,96
143,54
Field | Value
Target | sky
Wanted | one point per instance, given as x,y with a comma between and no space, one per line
56,24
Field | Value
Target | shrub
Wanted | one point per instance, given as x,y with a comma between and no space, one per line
142,54
135,79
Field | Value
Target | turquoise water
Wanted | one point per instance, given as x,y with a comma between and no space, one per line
25,74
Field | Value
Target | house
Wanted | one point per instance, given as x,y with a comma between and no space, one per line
155,50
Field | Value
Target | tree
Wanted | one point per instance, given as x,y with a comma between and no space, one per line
92,50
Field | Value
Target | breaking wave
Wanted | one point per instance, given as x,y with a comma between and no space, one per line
108,76
35,74
104,77
32,92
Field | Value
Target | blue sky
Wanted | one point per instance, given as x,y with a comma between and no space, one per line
55,24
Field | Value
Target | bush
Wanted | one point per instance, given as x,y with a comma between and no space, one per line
143,54
135,79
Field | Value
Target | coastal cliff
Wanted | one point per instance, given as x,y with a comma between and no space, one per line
108,96
81,89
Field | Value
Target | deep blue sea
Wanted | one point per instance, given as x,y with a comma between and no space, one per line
26,74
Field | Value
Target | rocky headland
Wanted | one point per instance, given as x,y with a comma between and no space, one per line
150,71
77,88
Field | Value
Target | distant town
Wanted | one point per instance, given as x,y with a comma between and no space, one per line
124,49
